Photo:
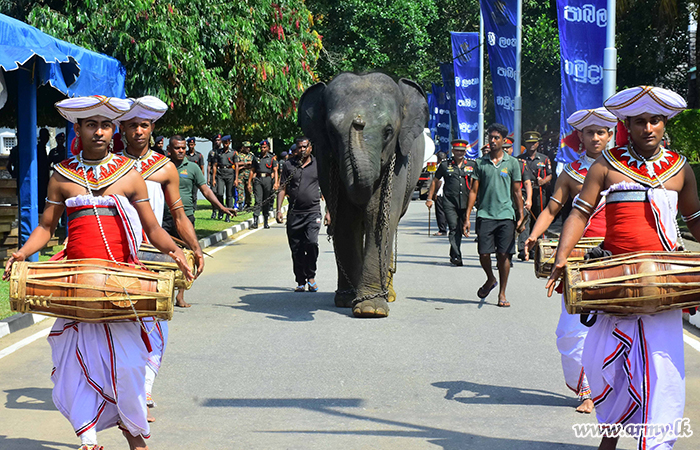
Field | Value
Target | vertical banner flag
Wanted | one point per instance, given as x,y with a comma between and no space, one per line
465,54
448,80
500,28
433,120
442,142
582,25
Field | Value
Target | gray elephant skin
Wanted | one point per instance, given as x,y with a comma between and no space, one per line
367,135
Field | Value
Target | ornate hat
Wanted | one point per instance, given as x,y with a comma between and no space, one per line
645,99
148,107
76,108
532,136
586,117
460,144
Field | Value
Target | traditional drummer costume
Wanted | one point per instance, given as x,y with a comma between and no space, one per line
99,368
570,332
634,364
151,108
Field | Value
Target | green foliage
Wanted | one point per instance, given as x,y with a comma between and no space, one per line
236,67
685,134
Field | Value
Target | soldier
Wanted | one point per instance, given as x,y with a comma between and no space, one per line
211,159
224,175
193,155
456,173
540,171
244,163
158,145
264,176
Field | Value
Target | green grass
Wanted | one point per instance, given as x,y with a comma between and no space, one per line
205,226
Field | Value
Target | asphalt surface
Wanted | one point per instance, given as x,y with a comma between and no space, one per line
253,365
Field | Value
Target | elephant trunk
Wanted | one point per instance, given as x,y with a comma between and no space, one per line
364,174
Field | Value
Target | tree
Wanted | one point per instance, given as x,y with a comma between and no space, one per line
237,67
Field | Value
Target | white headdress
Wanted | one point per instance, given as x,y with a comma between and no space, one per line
97,105
645,99
586,117
147,107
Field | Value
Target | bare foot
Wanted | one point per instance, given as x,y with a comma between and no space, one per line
149,416
586,407
180,299
135,442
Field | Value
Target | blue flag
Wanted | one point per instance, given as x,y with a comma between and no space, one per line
443,124
448,80
433,118
499,25
465,51
582,27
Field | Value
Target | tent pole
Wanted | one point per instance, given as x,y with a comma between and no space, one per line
481,82
518,132
27,175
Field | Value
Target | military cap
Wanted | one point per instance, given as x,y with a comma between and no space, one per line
215,137
159,139
460,144
226,138
245,144
190,139
532,136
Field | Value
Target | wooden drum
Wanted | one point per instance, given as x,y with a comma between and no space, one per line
90,290
152,258
546,251
633,283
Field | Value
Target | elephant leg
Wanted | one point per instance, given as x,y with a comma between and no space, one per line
390,287
347,243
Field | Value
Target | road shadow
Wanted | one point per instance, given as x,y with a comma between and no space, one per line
487,394
7,443
32,398
452,301
444,438
285,305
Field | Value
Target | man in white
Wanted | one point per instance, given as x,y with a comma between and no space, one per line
634,364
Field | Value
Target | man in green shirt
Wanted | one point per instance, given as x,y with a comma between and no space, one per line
191,179
496,182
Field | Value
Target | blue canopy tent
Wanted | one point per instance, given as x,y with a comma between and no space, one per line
37,59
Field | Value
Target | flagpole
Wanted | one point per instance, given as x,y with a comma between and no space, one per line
517,132
610,58
481,82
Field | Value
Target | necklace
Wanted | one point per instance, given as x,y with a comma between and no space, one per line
94,208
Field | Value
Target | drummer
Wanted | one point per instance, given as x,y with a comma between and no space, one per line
99,368
634,364
592,132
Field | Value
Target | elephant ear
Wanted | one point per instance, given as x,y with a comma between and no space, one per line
414,116
312,113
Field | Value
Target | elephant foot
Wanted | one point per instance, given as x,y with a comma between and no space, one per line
375,307
343,299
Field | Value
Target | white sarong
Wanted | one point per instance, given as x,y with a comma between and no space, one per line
571,334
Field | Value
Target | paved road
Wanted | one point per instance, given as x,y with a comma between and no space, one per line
253,365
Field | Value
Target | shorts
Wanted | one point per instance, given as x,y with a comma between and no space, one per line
495,236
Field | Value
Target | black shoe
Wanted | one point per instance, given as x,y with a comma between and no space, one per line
221,216
255,222
265,224
521,255
213,215
227,219
456,262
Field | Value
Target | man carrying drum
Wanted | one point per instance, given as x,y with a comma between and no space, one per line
592,131
634,363
99,368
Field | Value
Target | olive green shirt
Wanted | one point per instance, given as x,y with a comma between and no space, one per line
496,187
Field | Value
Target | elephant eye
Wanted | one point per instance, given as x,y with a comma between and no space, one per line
388,132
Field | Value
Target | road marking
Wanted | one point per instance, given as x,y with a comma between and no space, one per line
691,341
234,241
24,342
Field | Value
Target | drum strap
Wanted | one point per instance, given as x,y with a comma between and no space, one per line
588,320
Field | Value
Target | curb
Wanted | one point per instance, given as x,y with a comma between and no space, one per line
19,322
228,232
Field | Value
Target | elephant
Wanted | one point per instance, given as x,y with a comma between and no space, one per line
367,135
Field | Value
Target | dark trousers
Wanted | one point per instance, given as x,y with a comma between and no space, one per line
440,214
529,223
455,222
302,234
262,188
224,187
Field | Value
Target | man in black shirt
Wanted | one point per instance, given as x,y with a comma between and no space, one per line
224,176
211,159
300,183
264,174
539,168
456,173
58,153
193,155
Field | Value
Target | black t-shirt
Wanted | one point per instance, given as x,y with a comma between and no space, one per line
456,179
539,166
264,164
303,189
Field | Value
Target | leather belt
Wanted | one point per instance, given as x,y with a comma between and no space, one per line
626,196
263,175
91,212
226,167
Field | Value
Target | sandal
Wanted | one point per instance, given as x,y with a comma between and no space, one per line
300,288
504,304
313,287
480,294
